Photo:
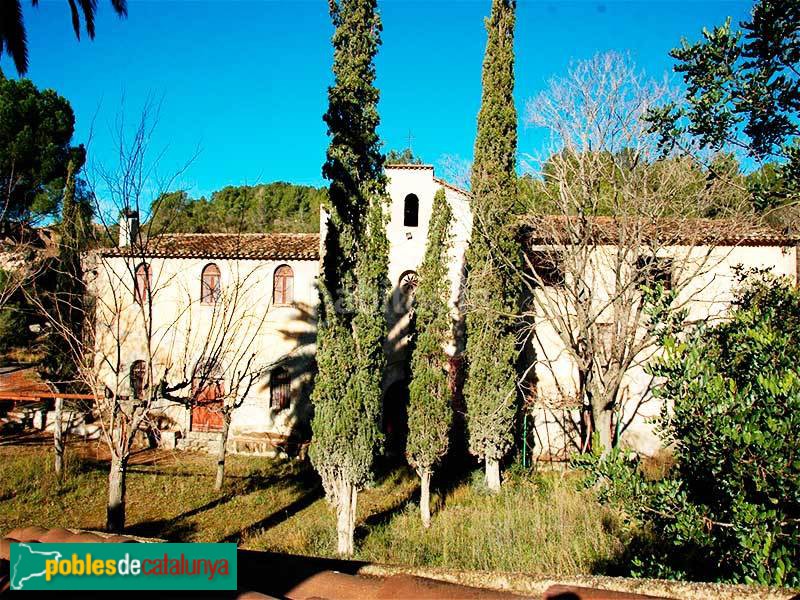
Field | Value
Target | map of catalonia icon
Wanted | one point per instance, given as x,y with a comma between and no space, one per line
29,564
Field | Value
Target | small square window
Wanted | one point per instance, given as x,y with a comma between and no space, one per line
548,269
652,271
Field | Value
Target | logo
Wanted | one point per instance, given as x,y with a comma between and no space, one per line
123,566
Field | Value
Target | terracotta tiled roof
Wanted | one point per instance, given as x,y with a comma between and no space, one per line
265,246
611,230
450,186
411,167
58,535
297,577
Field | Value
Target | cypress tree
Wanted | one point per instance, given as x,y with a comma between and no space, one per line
352,325
429,411
68,293
490,389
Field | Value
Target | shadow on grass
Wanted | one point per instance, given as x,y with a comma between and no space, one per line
304,482
656,557
13,434
453,473
87,466
278,517
174,529
389,472
286,475
455,470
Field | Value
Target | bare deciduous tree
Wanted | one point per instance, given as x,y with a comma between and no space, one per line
141,345
618,240
216,353
456,170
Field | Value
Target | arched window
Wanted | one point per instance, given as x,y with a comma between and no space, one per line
411,211
138,377
210,284
283,285
280,389
143,281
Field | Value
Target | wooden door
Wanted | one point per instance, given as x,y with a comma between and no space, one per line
207,412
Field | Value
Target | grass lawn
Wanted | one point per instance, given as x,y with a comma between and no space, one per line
539,524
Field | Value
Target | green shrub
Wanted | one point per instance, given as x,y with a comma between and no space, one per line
13,320
730,508
13,326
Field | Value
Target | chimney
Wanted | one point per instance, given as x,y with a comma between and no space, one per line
128,227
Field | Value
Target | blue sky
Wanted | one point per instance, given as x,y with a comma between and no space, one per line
245,81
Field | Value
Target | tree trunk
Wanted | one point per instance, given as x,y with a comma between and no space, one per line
58,438
587,409
221,453
115,512
586,428
493,475
425,497
602,425
346,516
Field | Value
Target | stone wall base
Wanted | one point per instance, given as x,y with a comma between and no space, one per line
208,442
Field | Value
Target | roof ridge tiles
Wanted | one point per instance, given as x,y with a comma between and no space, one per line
264,246
407,166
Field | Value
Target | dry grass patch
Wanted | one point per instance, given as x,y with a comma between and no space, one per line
537,524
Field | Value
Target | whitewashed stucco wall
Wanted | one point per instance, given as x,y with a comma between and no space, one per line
407,250
711,281
180,322
181,325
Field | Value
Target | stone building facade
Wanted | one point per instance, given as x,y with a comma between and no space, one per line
248,303
182,300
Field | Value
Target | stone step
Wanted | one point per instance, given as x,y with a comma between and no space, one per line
203,435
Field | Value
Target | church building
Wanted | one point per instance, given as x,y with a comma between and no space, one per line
248,304
230,320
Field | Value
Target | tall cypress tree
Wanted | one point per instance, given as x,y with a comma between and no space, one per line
430,413
67,297
352,326
490,389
